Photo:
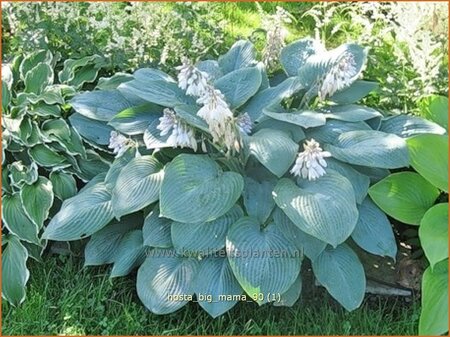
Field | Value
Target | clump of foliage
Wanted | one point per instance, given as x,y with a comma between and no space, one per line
421,199
209,193
42,156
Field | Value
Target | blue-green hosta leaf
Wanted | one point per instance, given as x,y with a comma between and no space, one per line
93,131
160,92
90,166
295,54
135,120
216,279
355,92
294,131
203,238
37,199
137,185
308,244
38,78
360,182
288,298
434,318
239,85
156,230
262,260
342,274
405,196
270,97
370,148
433,233
258,199
110,83
153,139
195,189
373,232
429,157
130,254
101,105
406,126
306,119
116,167
325,208
164,275
375,174
242,54
351,113
151,74
188,113
211,67
14,270
16,220
81,215
330,132
64,185
102,246
274,149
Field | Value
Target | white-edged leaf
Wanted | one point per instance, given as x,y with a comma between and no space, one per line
64,184
37,199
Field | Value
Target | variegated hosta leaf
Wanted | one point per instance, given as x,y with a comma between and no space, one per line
274,149
341,273
137,185
325,208
81,215
216,279
165,281
204,238
370,148
64,185
262,260
195,189
37,199
38,78
242,54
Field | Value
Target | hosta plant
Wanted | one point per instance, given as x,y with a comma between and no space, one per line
421,199
42,156
226,178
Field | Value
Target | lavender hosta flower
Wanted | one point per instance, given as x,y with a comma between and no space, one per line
182,136
194,81
310,163
276,35
119,143
244,123
338,78
166,122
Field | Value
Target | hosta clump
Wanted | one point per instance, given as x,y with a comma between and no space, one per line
228,177
42,156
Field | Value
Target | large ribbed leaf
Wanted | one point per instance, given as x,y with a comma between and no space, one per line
330,132
271,96
262,260
216,279
325,208
156,230
241,54
64,185
164,280
294,131
355,92
204,238
81,215
434,317
294,55
274,149
92,130
37,200
342,274
135,120
16,220
360,182
370,148
306,119
239,85
406,126
429,157
288,298
130,253
151,74
405,196
137,185
102,246
195,189
258,198
351,113
308,244
433,233
373,232
14,270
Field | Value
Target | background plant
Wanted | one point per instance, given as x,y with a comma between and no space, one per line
421,199
43,157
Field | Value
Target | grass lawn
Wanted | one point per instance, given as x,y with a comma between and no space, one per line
64,298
